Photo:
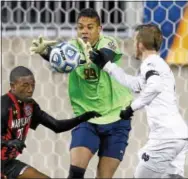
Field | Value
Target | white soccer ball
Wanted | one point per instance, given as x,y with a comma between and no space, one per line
64,58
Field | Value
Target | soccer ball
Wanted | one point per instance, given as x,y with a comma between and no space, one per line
64,57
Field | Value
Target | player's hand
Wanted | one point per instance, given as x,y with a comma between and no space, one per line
17,144
86,47
88,115
127,113
99,57
39,45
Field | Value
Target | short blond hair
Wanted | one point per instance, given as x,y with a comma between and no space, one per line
150,36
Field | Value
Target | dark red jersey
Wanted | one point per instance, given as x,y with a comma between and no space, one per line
16,119
18,116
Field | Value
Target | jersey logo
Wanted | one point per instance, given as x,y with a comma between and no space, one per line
15,112
145,157
28,110
121,152
112,45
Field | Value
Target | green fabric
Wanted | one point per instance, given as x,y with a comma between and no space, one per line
93,89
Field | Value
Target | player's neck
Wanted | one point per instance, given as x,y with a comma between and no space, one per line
94,43
147,53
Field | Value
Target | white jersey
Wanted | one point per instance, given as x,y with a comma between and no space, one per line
156,85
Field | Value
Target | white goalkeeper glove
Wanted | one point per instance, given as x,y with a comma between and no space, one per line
39,45
86,47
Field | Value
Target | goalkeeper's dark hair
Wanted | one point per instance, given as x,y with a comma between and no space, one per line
150,35
91,13
19,71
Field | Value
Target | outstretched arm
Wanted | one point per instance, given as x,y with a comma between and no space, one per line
132,82
41,117
151,90
103,61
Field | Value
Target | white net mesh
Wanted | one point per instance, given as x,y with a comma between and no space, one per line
23,20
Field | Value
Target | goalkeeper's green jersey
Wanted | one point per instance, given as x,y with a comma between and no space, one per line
91,88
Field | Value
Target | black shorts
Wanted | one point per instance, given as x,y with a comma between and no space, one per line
13,168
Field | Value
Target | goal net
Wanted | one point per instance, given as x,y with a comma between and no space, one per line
24,20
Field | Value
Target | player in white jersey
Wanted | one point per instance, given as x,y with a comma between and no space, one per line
164,153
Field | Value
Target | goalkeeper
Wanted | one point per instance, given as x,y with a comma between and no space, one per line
90,88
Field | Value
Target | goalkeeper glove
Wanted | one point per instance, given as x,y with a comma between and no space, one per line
88,115
86,47
99,57
127,113
39,46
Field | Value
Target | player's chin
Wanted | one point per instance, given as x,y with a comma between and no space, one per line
28,98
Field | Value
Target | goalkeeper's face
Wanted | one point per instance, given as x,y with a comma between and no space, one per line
24,87
88,29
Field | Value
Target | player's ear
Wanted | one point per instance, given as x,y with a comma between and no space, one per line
99,29
141,46
12,86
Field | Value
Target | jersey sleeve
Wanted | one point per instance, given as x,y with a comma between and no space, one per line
153,85
36,118
132,82
111,45
149,69
41,117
